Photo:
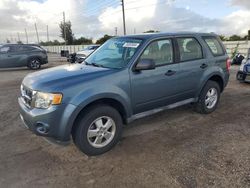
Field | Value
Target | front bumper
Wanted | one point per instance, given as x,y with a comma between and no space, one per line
45,60
54,123
243,76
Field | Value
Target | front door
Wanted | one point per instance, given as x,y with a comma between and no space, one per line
158,87
8,57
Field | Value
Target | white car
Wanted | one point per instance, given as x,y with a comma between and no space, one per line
86,51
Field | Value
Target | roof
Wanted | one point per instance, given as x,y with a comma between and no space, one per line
156,35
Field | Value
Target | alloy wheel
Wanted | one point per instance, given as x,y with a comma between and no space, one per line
101,132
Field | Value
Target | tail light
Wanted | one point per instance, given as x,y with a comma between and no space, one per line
228,64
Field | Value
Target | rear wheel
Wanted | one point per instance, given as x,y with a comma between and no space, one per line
209,98
34,64
98,130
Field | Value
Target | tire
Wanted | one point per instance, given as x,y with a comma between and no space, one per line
204,105
34,64
240,76
89,135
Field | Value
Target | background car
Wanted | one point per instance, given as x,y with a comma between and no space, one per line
80,56
86,51
20,55
243,75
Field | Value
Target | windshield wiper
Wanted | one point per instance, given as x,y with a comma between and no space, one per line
94,64
97,65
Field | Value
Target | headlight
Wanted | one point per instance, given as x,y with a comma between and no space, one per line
45,100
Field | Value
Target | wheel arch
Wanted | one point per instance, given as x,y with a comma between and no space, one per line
217,78
116,104
213,77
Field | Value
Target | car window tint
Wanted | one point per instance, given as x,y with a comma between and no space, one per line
25,48
214,45
189,48
13,48
160,51
4,49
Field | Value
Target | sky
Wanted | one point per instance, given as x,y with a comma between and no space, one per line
94,18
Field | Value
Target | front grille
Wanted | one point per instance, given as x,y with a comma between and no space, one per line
26,96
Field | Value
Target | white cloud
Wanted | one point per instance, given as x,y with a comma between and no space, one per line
141,15
236,23
241,3
162,17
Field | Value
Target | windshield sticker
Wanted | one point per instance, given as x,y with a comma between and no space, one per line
130,45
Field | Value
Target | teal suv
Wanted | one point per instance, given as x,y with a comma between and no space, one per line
22,55
125,79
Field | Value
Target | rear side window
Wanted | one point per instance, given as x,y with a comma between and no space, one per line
25,48
214,45
190,49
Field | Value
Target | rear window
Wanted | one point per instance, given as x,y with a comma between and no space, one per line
214,45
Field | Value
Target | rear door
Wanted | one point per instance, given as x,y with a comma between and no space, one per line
192,64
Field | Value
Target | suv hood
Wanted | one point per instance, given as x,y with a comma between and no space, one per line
56,78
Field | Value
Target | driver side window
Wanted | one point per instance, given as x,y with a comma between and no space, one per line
161,52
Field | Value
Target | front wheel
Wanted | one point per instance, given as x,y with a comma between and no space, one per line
34,64
98,130
209,98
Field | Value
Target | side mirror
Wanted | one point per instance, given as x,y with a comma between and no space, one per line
80,59
145,64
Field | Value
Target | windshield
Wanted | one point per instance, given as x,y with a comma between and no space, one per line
115,53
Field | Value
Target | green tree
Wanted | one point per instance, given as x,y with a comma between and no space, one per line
235,51
223,38
103,39
69,34
245,37
82,40
235,38
51,43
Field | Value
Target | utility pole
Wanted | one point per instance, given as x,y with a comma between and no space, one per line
115,31
64,28
134,30
27,40
47,33
123,17
18,37
37,36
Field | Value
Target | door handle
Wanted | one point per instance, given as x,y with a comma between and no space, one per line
170,73
203,66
